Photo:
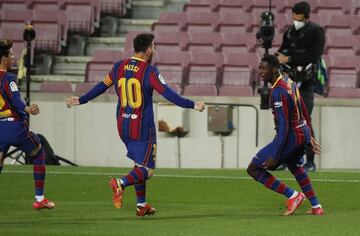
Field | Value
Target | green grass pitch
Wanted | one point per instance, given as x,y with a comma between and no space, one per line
188,202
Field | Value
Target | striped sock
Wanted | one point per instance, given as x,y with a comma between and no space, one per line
140,190
39,172
137,176
305,184
274,184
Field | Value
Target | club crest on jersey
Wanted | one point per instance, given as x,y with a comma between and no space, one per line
13,87
277,104
161,79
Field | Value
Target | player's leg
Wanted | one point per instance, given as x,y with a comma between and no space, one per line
262,176
306,186
32,146
2,158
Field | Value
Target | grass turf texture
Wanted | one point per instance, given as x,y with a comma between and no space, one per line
188,202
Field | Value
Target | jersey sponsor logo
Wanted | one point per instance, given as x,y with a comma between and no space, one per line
277,104
134,116
161,79
127,116
13,87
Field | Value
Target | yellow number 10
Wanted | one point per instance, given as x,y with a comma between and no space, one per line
5,113
130,92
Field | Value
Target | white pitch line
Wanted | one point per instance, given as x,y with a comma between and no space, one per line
185,176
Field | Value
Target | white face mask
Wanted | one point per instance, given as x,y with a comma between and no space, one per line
298,24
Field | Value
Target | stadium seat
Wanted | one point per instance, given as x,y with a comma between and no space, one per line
18,43
332,7
204,68
259,6
50,5
338,45
173,66
13,5
200,90
113,7
238,43
56,87
355,5
239,69
230,7
197,6
340,24
15,19
170,22
344,93
101,63
288,5
170,41
233,90
344,72
202,22
82,15
235,23
204,41
83,87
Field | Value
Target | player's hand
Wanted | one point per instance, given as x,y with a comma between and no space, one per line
270,164
282,58
72,101
199,106
33,109
316,148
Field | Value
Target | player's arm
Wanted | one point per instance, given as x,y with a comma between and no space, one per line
279,101
97,90
159,84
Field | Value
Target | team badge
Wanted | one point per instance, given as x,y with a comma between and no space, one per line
161,79
13,87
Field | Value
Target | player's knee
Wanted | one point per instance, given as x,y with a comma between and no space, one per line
35,151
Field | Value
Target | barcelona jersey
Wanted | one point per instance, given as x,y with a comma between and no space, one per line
134,80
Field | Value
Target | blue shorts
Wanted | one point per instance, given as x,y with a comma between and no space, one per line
17,134
290,155
142,152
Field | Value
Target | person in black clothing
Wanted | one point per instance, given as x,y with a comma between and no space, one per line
302,46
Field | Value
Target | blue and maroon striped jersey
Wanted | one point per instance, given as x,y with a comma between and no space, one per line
12,108
292,122
134,80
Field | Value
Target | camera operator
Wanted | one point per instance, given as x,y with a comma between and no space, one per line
300,51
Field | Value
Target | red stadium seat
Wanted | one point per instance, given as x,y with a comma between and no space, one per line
259,6
204,68
340,24
338,45
52,5
344,72
355,5
235,23
16,35
204,41
56,87
200,90
13,5
170,22
15,19
239,69
170,41
173,66
83,87
230,7
197,6
238,43
101,64
202,22
332,7
113,7
233,90
344,93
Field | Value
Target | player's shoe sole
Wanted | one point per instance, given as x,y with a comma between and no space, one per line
146,210
44,204
316,211
294,203
117,192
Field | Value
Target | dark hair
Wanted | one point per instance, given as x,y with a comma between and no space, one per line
271,60
302,8
5,46
142,42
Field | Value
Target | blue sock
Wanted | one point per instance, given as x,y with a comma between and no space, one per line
137,176
274,184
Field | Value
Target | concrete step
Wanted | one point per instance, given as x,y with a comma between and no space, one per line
70,78
143,9
126,25
96,43
70,65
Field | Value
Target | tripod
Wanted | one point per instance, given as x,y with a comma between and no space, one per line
28,36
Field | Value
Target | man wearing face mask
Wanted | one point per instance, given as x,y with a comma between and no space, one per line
302,46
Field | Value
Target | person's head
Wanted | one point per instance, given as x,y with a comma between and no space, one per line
144,44
269,68
6,54
301,14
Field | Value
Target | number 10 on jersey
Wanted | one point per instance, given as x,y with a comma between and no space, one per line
130,90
